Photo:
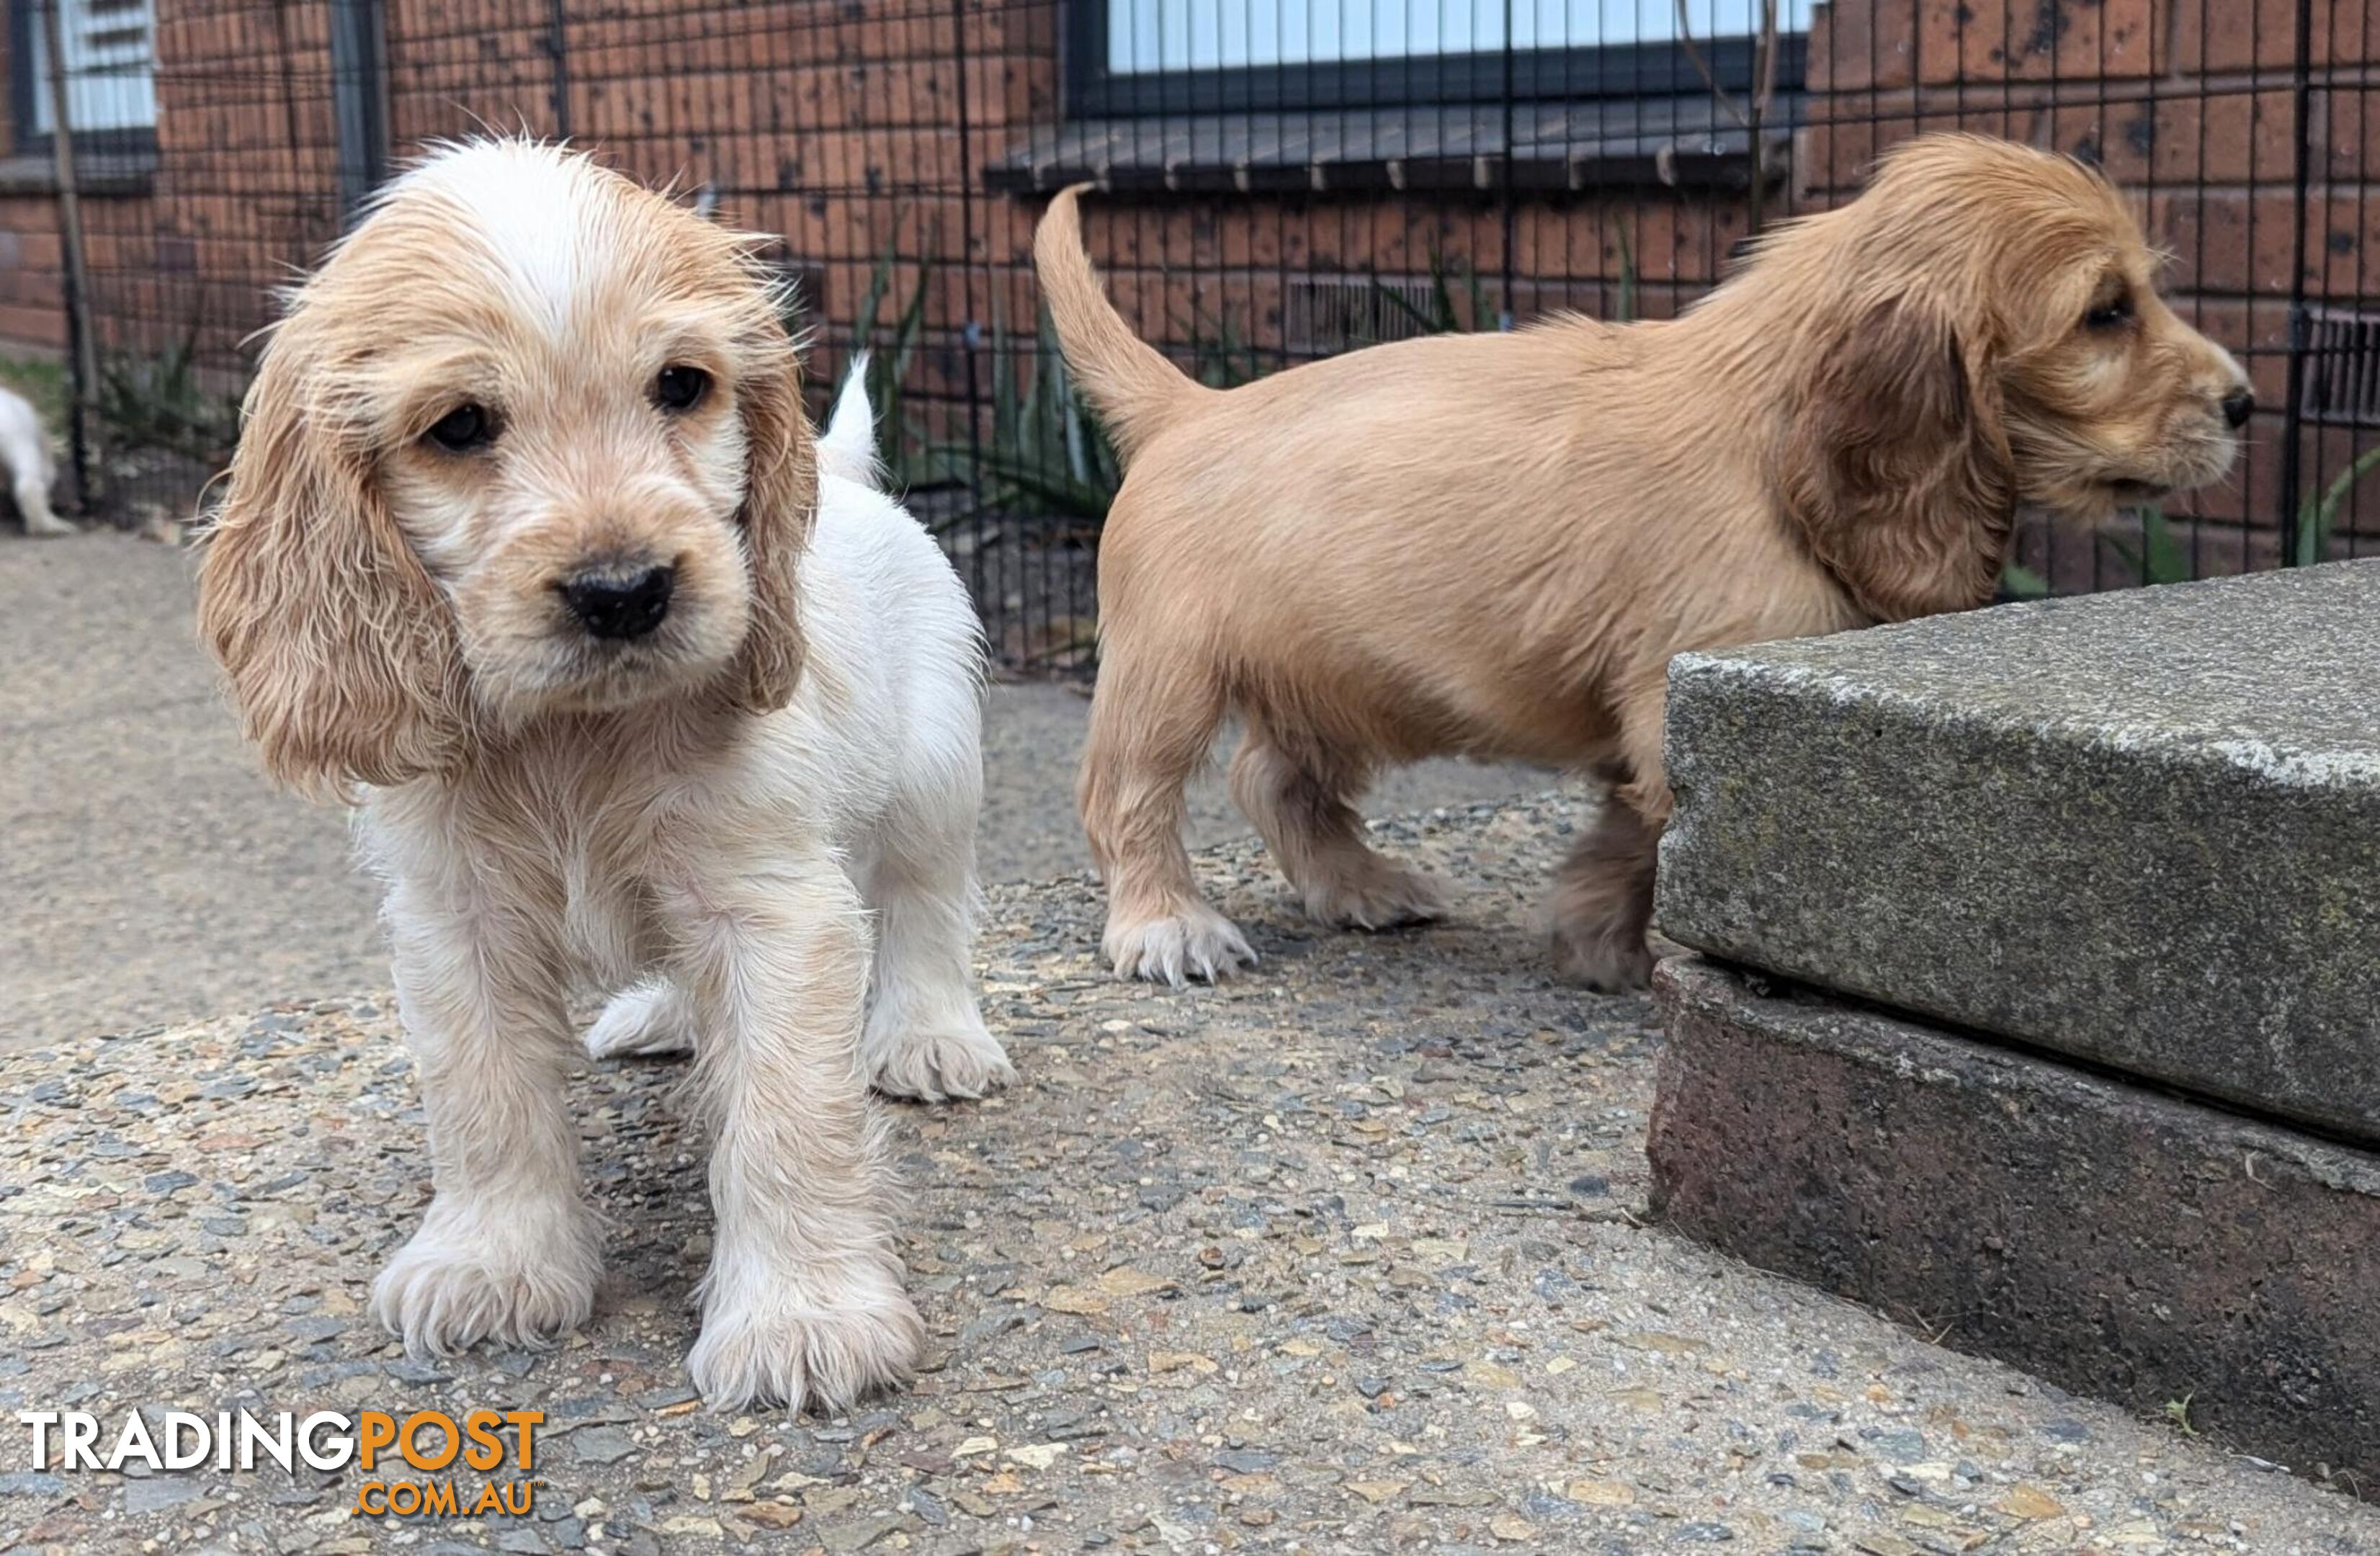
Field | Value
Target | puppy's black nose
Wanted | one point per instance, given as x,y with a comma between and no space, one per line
2238,406
619,603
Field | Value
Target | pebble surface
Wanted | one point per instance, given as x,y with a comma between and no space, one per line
1349,1255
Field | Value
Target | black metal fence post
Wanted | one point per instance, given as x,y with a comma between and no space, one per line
1508,208
557,44
82,344
971,325
359,101
2292,413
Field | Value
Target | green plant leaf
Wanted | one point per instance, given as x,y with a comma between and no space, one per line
2168,562
2318,515
1045,455
1400,303
2022,581
888,365
1053,492
2161,559
161,403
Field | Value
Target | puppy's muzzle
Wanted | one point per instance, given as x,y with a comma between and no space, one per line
619,603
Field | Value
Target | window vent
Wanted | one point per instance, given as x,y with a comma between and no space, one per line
1324,315
2342,368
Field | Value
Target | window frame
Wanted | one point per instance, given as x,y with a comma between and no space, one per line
1609,70
25,84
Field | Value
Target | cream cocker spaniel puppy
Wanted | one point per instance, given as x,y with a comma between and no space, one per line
25,452
647,692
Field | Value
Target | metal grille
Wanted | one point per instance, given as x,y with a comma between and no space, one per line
1324,315
2342,368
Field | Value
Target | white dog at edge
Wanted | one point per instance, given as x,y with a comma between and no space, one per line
25,449
528,538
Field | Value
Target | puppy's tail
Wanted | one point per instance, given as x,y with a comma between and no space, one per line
847,447
1136,390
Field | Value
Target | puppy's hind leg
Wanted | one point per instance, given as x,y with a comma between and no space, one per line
32,494
925,1035
1153,719
645,1020
1602,906
1304,809
1602,903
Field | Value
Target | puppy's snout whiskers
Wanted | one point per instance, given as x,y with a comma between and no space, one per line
619,603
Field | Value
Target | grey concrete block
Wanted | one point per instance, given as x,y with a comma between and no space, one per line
2114,1239
2142,828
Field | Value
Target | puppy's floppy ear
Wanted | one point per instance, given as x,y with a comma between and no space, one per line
779,501
1896,464
341,652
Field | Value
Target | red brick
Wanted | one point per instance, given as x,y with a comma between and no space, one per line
2347,138
2227,240
1859,44
2219,35
1975,41
36,325
2219,138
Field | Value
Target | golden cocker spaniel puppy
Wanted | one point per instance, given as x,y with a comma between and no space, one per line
1491,545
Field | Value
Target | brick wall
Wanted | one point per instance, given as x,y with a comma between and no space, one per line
834,126
32,318
839,127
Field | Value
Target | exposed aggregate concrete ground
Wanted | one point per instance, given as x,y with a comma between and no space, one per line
1344,1257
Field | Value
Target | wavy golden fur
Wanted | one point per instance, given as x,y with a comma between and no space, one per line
1492,545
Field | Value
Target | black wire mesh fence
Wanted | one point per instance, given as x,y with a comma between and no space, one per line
1284,178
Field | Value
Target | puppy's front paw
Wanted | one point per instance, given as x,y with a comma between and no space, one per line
1197,942
767,1343
647,1019
520,1277
954,1058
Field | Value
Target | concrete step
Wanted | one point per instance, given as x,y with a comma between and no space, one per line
2142,828
2181,1261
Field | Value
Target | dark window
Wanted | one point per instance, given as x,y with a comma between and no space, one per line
110,61
1191,57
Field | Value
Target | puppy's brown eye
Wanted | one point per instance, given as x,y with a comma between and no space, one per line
2111,314
465,428
680,388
